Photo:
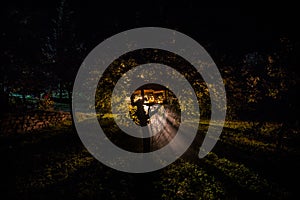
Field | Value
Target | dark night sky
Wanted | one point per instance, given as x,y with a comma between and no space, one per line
221,28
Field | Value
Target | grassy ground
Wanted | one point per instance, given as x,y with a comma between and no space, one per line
245,164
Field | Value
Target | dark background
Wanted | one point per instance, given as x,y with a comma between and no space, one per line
223,28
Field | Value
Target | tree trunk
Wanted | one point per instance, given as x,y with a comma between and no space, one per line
60,92
70,106
23,98
146,141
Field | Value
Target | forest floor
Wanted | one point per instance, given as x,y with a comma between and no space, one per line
52,163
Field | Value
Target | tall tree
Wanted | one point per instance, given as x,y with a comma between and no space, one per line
62,50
